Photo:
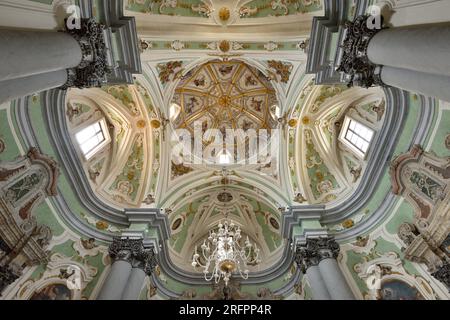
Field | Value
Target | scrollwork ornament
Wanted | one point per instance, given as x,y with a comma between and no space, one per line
7,276
94,68
305,257
2,145
125,248
314,251
355,64
443,275
150,262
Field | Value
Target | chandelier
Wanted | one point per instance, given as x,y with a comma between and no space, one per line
223,254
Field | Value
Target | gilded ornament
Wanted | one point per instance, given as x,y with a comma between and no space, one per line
292,123
348,223
224,46
306,120
156,124
224,14
141,124
101,225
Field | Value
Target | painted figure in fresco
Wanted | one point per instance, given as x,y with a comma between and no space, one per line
191,104
200,81
53,292
425,184
250,81
256,104
225,70
246,125
399,290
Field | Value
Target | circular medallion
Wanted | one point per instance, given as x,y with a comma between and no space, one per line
224,197
224,46
305,120
155,123
141,124
274,223
292,123
176,224
224,101
224,14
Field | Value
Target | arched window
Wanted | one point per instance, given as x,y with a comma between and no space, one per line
356,136
92,138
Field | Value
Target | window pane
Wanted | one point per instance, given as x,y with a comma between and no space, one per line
85,134
365,146
359,135
90,137
349,136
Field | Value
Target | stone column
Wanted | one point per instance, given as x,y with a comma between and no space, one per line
131,263
334,280
143,265
328,250
35,61
15,88
318,257
116,281
28,53
418,82
423,48
122,251
413,58
307,260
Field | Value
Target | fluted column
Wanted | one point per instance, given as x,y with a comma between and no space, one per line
308,260
34,61
410,58
143,265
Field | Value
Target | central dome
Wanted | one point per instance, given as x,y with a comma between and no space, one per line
225,95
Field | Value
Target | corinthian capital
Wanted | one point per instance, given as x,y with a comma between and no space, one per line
314,251
354,62
133,251
126,248
93,69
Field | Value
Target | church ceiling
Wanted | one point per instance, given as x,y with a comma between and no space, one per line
191,221
134,171
225,95
124,172
224,11
322,169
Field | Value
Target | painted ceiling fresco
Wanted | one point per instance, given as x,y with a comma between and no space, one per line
206,8
191,221
225,95
322,169
229,84
126,171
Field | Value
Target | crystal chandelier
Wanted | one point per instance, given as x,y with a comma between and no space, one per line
223,254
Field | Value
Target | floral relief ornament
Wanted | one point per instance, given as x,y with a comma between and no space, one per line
169,71
177,45
203,9
279,71
2,145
